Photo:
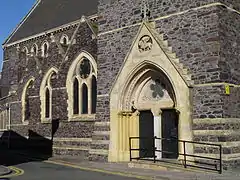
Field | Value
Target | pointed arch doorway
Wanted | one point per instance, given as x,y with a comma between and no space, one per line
149,81
149,103
152,94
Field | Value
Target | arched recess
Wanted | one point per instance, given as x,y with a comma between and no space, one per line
134,77
25,55
46,92
45,48
34,50
64,39
25,100
84,77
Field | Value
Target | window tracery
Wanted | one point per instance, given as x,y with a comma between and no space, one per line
82,87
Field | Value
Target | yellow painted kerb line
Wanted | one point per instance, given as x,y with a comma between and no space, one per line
16,172
126,174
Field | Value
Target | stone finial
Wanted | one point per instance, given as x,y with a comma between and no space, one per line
145,11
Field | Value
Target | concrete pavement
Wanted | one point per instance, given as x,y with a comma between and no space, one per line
122,169
4,170
161,173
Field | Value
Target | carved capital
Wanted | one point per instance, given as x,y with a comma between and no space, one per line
136,113
156,111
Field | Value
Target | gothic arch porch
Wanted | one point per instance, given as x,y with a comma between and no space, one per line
148,81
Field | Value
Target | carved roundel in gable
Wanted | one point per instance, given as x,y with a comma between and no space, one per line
145,43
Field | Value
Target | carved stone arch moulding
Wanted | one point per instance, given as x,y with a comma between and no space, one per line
148,88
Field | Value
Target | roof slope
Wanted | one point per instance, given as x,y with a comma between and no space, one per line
50,14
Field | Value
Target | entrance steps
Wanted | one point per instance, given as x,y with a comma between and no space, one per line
165,165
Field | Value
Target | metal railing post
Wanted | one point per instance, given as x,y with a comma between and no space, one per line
154,149
220,168
130,149
184,154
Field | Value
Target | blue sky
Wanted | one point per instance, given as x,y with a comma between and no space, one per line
11,13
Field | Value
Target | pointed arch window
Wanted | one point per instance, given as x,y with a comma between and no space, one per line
84,99
82,88
47,103
94,94
76,97
34,50
27,106
26,100
64,40
45,47
46,93
25,55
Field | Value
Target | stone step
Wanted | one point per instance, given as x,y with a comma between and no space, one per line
70,151
99,151
100,146
164,165
72,143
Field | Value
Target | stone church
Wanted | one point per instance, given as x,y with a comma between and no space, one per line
88,75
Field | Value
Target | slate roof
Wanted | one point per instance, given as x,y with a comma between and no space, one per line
50,14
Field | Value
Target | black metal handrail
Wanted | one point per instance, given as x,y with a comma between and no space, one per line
184,154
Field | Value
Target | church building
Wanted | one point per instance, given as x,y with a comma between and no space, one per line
99,78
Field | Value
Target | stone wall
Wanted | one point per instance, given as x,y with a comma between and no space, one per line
229,29
193,35
17,71
194,32
122,13
208,102
232,103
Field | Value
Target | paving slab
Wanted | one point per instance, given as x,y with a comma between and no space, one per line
162,174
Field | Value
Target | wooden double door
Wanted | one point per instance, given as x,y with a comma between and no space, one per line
169,129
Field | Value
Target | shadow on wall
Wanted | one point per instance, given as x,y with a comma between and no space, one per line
16,149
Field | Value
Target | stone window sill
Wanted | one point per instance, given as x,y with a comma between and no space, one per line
46,121
82,117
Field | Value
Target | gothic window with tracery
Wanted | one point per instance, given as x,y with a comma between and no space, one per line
83,89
